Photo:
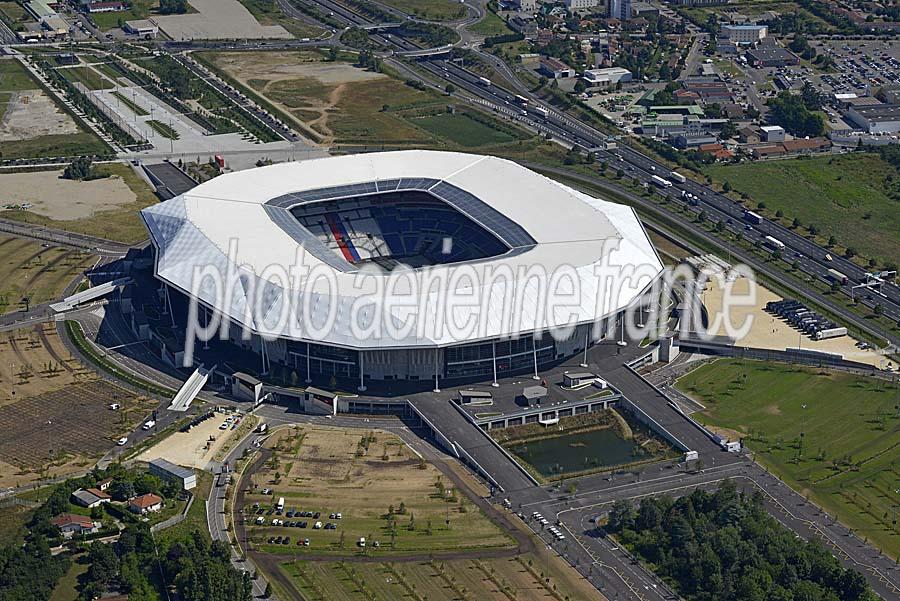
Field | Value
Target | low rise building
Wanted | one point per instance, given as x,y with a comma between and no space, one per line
146,503
750,135
745,34
176,473
606,78
90,497
767,55
877,119
579,5
806,146
555,68
71,523
772,133
142,28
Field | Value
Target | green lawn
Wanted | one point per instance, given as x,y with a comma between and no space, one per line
462,129
138,9
14,77
435,10
490,25
848,460
844,196
163,129
87,76
82,143
130,104
66,589
196,516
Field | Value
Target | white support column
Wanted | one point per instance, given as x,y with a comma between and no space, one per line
308,374
262,352
169,303
362,384
437,384
587,337
534,355
206,325
494,356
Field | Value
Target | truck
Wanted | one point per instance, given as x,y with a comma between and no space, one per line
752,217
660,181
542,111
830,333
836,276
678,177
774,243
484,81
280,505
521,99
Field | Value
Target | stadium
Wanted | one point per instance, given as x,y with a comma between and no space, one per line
416,265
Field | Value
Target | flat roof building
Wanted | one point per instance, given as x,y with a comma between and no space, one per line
772,133
772,56
142,27
604,78
745,34
882,118
169,471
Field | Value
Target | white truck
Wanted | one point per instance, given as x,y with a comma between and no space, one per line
542,111
774,243
678,177
660,181
484,81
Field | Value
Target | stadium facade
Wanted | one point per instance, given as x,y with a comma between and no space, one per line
408,265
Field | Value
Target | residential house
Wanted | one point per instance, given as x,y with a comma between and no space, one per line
145,503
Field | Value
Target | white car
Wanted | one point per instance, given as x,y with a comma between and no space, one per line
148,424
122,441
224,426
115,406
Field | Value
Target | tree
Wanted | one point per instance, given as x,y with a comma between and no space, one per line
79,169
268,591
726,187
450,88
170,7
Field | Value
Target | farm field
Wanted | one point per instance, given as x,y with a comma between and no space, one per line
55,418
512,579
106,208
38,271
32,124
338,103
833,436
844,196
363,475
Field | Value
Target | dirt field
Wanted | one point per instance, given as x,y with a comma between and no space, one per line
38,271
31,114
300,84
362,475
770,332
55,416
64,199
106,208
191,449
217,19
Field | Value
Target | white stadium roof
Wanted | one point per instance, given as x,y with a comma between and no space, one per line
239,223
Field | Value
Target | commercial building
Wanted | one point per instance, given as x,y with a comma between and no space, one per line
555,68
455,221
142,27
771,56
620,9
579,5
170,471
745,34
104,7
882,118
606,78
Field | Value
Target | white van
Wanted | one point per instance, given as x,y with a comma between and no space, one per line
280,505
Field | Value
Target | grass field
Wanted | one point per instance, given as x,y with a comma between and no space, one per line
14,77
518,579
121,224
462,129
268,13
130,104
137,9
362,475
844,196
86,75
490,25
28,268
341,104
434,10
832,436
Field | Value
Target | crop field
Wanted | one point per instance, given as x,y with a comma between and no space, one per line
338,103
38,271
55,417
384,491
844,196
513,579
833,436
111,219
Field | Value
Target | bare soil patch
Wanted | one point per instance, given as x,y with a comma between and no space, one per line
31,114
62,199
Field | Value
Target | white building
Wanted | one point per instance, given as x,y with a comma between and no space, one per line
577,5
772,133
527,6
142,27
620,9
606,78
875,119
745,34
